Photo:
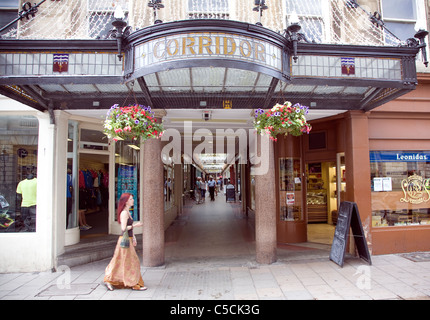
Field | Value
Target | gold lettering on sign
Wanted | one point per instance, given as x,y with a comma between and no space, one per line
224,46
205,42
217,45
242,49
233,46
156,54
176,46
189,45
259,52
415,189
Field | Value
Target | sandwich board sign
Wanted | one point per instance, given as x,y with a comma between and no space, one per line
348,217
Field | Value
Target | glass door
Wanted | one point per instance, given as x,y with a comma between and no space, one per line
72,190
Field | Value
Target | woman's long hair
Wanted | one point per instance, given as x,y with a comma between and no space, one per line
121,205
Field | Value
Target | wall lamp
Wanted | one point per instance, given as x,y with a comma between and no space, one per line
420,35
119,32
156,5
292,33
260,6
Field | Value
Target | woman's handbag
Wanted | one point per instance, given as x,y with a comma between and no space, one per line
125,241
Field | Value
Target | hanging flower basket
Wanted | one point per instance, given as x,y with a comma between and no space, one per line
132,122
282,119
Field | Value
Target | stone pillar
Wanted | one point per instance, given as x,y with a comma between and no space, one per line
358,168
265,211
153,205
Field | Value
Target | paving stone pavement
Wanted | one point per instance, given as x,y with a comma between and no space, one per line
235,278
228,270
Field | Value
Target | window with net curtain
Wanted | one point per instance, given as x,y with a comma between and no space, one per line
101,16
400,17
310,14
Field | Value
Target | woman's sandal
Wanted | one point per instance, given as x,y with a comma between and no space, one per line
140,289
109,286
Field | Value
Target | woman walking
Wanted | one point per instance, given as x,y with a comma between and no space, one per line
123,270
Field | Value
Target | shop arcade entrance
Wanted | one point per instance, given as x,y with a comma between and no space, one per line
228,64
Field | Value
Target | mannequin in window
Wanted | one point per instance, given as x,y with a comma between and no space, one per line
28,189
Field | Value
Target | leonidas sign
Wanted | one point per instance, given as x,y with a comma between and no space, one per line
208,46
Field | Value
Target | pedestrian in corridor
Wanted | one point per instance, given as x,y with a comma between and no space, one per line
203,187
211,185
123,270
198,192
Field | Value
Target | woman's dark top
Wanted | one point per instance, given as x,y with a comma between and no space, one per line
130,223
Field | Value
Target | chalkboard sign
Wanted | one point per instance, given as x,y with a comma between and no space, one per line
348,217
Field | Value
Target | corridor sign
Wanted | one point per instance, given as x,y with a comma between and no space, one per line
208,45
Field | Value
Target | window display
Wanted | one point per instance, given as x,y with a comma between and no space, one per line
18,173
127,166
290,188
400,183
317,193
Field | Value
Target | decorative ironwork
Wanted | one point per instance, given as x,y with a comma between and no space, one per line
376,19
27,12
420,35
293,35
156,5
260,7
121,29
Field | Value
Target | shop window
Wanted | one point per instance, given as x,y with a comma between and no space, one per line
72,195
290,188
316,196
400,184
127,168
18,173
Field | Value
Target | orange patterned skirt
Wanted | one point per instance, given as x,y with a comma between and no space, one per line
123,271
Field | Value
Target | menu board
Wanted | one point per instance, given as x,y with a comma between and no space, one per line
348,217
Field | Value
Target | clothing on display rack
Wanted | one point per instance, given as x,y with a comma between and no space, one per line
93,189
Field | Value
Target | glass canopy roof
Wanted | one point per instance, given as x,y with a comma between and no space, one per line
203,64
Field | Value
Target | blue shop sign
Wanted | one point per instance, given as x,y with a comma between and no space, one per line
399,156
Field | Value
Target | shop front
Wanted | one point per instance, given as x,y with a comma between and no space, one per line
195,65
399,168
378,159
26,158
